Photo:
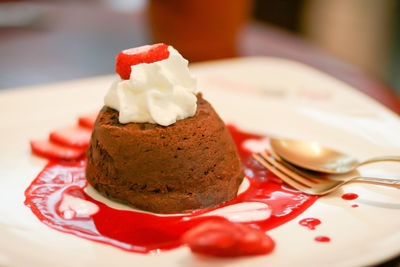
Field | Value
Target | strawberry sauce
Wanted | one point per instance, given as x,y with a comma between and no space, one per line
349,196
324,239
144,232
310,223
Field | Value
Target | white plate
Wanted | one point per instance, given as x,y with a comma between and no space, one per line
263,95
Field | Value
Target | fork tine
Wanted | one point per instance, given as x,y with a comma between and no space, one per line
286,171
307,175
281,175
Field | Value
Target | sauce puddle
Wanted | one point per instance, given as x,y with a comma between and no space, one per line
144,232
349,196
310,223
323,239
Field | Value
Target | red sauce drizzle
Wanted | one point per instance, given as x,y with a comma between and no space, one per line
143,232
354,206
310,223
349,196
322,239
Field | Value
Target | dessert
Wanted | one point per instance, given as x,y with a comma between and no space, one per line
75,136
88,120
158,145
221,238
66,143
60,199
265,205
51,150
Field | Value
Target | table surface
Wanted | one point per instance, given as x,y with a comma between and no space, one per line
63,47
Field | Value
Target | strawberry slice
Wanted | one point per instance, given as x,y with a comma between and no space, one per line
47,149
227,239
74,136
88,120
137,55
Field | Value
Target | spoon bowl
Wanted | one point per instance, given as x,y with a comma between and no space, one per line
315,157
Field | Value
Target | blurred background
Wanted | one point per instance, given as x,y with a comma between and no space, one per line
47,41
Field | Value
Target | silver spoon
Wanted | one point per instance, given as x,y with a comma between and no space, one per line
313,156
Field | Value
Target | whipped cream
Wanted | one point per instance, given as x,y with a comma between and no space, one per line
162,92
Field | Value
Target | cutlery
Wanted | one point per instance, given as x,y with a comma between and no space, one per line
313,156
310,183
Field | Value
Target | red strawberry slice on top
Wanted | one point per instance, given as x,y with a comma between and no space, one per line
48,149
227,239
137,55
73,136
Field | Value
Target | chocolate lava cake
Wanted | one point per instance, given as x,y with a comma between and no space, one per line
191,164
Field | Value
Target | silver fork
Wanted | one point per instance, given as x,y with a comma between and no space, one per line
309,183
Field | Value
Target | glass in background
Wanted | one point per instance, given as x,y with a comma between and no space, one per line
199,29
394,67
364,33
357,31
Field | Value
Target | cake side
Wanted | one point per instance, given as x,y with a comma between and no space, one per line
189,165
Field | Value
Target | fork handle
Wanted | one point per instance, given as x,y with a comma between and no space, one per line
379,181
377,159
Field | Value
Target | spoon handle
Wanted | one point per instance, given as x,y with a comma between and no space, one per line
377,159
379,181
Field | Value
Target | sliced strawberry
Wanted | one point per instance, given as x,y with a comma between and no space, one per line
88,120
74,136
137,55
227,239
47,149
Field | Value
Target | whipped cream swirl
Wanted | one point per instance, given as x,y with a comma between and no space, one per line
162,92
